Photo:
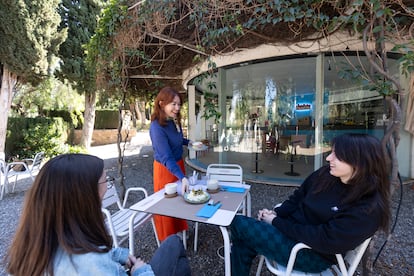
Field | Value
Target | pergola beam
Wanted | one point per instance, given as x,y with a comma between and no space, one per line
154,77
177,42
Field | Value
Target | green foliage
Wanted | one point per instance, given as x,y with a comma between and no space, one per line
80,19
27,136
211,107
74,118
29,37
215,27
50,94
99,49
407,59
75,149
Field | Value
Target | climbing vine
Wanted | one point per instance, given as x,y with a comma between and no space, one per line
155,41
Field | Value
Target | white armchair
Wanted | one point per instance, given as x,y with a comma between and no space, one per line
123,222
353,257
27,167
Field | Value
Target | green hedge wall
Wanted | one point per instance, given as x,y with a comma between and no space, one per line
106,119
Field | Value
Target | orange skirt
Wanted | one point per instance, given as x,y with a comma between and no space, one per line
166,225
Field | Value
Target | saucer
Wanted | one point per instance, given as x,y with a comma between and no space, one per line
213,191
170,195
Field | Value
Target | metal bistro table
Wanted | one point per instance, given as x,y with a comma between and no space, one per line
178,208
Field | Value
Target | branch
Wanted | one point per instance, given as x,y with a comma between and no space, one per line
374,64
177,42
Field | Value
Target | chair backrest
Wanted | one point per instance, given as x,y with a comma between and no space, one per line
37,161
353,257
111,197
226,173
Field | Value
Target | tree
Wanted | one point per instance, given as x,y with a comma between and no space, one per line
29,41
80,18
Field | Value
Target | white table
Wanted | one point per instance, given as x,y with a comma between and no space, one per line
178,208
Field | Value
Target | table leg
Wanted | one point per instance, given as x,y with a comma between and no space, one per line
227,262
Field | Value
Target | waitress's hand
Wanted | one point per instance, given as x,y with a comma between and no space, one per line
185,184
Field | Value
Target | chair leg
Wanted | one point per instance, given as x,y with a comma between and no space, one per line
195,236
185,239
2,190
155,231
259,267
131,242
14,184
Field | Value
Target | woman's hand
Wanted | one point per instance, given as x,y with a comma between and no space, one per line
130,261
266,215
138,263
184,185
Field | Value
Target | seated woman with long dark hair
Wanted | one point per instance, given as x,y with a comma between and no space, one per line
62,229
335,209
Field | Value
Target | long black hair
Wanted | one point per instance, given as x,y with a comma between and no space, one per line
365,155
62,209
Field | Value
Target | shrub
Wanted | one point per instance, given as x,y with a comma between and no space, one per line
73,118
27,136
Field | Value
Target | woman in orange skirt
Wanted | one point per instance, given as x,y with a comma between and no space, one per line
167,143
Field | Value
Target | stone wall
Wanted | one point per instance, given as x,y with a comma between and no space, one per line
102,136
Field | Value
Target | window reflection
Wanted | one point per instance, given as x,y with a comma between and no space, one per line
271,109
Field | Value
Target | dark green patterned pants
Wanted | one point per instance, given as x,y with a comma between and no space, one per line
251,237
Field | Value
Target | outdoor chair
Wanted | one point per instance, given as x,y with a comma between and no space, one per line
123,222
2,177
227,174
352,257
27,167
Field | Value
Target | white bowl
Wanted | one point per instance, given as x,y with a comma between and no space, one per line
212,184
171,188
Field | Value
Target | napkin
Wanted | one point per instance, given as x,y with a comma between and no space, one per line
233,189
208,210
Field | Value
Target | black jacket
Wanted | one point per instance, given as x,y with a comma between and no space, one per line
322,222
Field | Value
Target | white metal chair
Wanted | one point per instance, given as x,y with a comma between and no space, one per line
26,167
2,177
352,257
123,222
231,175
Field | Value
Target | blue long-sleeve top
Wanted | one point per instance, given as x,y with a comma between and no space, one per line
321,221
167,144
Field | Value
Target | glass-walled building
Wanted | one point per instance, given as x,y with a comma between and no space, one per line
278,115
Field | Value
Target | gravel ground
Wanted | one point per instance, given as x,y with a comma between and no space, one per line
397,257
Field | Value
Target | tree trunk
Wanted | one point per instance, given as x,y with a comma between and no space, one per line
89,119
8,82
133,115
140,106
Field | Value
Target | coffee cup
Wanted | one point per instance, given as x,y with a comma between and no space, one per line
171,188
212,184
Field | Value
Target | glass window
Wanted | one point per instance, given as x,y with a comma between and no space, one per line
270,110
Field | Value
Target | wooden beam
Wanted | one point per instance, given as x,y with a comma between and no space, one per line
136,4
177,42
154,77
